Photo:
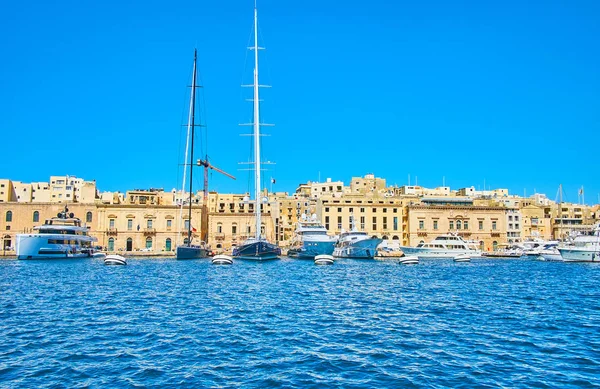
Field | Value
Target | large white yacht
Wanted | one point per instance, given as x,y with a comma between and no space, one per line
311,239
444,246
585,247
58,238
356,244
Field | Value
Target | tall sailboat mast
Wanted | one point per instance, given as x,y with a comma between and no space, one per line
257,209
193,109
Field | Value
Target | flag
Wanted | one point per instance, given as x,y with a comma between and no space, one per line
272,180
193,229
581,191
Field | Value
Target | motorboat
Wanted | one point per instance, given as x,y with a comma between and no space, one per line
222,259
59,237
443,246
584,248
115,259
462,258
504,251
356,244
311,239
324,259
408,260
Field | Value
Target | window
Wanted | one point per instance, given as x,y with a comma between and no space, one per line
385,223
362,210
339,210
351,210
362,223
374,210
494,243
374,222
326,209
516,218
111,244
219,228
9,216
169,223
421,224
510,218
516,226
248,229
451,225
148,242
466,225
186,224
168,244
510,226
395,210
458,224
36,216
339,222
481,225
149,223
111,223
234,229
395,223
494,225
384,210
435,224
129,224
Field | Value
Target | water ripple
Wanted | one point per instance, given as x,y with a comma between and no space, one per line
290,324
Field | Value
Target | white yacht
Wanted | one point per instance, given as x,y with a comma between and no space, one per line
585,247
311,239
356,244
58,238
444,246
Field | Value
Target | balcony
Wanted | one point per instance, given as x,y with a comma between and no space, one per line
219,236
149,231
112,231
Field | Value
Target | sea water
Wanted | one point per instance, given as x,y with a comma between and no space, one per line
357,324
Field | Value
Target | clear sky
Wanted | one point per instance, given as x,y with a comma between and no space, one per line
501,92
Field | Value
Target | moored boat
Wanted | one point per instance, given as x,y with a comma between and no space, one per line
584,248
222,259
115,259
311,239
324,259
60,237
356,244
444,246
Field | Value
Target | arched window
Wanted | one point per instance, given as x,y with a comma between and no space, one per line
494,245
148,242
385,237
458,224
129,246
219,228
263,228
234,229
395,237
9,216
36,216
111,244
168,244
88,217
481,245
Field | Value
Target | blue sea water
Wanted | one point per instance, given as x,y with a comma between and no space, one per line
291,324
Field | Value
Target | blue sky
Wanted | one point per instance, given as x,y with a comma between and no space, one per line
502,92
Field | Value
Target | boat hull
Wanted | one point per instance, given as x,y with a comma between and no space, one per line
310,250
366,248
191,252
115,260
579,255
257,251
52,246
437,254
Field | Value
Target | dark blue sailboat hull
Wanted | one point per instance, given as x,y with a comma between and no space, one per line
191,252
257,251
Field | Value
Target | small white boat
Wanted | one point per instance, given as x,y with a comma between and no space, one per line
409,260
115,259
324,259
462,258
99,256
222,259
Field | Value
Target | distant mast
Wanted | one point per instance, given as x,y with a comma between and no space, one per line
193,109
257,209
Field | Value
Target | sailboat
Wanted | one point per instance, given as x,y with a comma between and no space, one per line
257,247
189,250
